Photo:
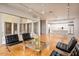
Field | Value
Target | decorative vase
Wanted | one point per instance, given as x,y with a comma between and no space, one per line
37,43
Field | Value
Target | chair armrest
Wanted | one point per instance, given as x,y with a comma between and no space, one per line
61,45
14,43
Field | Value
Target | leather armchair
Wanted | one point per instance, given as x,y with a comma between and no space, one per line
67,47
12,40
75,52
26,36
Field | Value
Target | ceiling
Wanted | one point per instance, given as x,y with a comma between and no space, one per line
48,11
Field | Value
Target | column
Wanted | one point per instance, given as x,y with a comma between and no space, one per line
39,28
32,29
2,31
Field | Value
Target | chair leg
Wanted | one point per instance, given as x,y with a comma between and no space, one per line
7,48
71,52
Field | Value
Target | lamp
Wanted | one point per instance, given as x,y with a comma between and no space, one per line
68,11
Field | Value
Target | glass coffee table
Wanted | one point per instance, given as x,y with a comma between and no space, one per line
37,46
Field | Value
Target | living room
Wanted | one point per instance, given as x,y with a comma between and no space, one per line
39,29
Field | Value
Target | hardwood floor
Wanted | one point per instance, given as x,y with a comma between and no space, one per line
20,50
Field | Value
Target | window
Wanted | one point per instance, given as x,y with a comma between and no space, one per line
24,27
8,28
29,27
36,27
15,28
20,28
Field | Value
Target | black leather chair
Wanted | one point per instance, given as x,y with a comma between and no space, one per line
55,53
67,47
27,36
75,52
12,40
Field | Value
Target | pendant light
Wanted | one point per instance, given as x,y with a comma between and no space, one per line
68,11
